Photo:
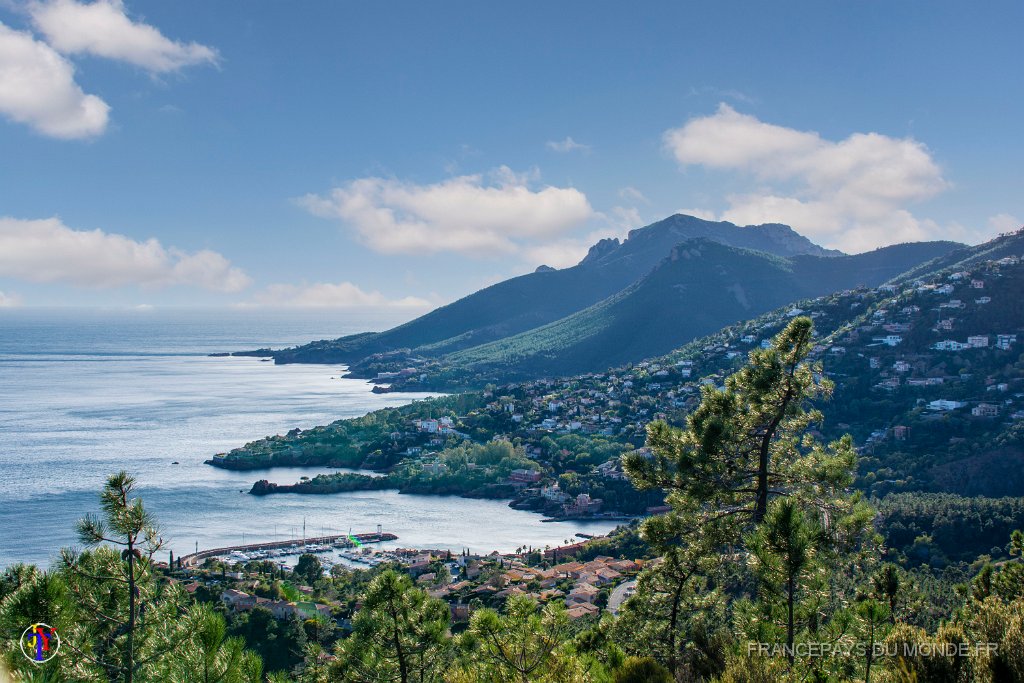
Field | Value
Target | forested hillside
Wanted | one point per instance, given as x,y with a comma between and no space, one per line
701,287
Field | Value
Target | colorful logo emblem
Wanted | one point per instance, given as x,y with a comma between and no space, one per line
40,642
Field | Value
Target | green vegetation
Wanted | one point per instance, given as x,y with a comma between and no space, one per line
472,470
524,643
751,440
746,543
363,442
467,469
729,283
308,567
942,528
398,635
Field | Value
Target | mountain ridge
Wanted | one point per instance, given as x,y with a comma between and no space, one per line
545,295
534,300
700,287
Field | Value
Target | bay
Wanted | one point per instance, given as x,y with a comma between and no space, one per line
86,393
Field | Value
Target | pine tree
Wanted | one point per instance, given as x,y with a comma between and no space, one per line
125,618
209,656
1017,544
746,458
750,441
400,635
308,568
874,620
785,549
117,620
675,612
27,596
526,643
887,587
642,670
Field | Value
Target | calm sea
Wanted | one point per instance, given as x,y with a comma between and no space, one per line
86,393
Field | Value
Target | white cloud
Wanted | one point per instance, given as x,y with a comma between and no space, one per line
463,214
631,194
625,218
852,194
103,29
329,295
37,87
1004,222
567,145
561,253
568,251
9,300
48,251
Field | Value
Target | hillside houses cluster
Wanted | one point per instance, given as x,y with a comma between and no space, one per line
578,584
494,578
977,341
926,313
583,586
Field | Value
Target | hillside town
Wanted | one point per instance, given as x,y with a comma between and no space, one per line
575,575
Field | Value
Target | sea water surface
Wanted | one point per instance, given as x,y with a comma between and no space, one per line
84,394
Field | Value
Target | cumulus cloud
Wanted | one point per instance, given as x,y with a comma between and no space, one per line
37,87
9,300
467,214
852,193
103,29
48,251
567,145
330,295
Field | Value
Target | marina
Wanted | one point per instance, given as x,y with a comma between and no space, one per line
273,550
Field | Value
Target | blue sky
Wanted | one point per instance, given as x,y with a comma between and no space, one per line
405,154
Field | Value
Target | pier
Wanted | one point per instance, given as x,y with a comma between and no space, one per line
194,559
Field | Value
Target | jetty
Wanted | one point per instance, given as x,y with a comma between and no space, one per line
345,540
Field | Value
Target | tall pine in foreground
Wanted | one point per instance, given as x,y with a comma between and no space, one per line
757,504
751,440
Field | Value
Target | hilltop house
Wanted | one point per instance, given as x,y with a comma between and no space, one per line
985,410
